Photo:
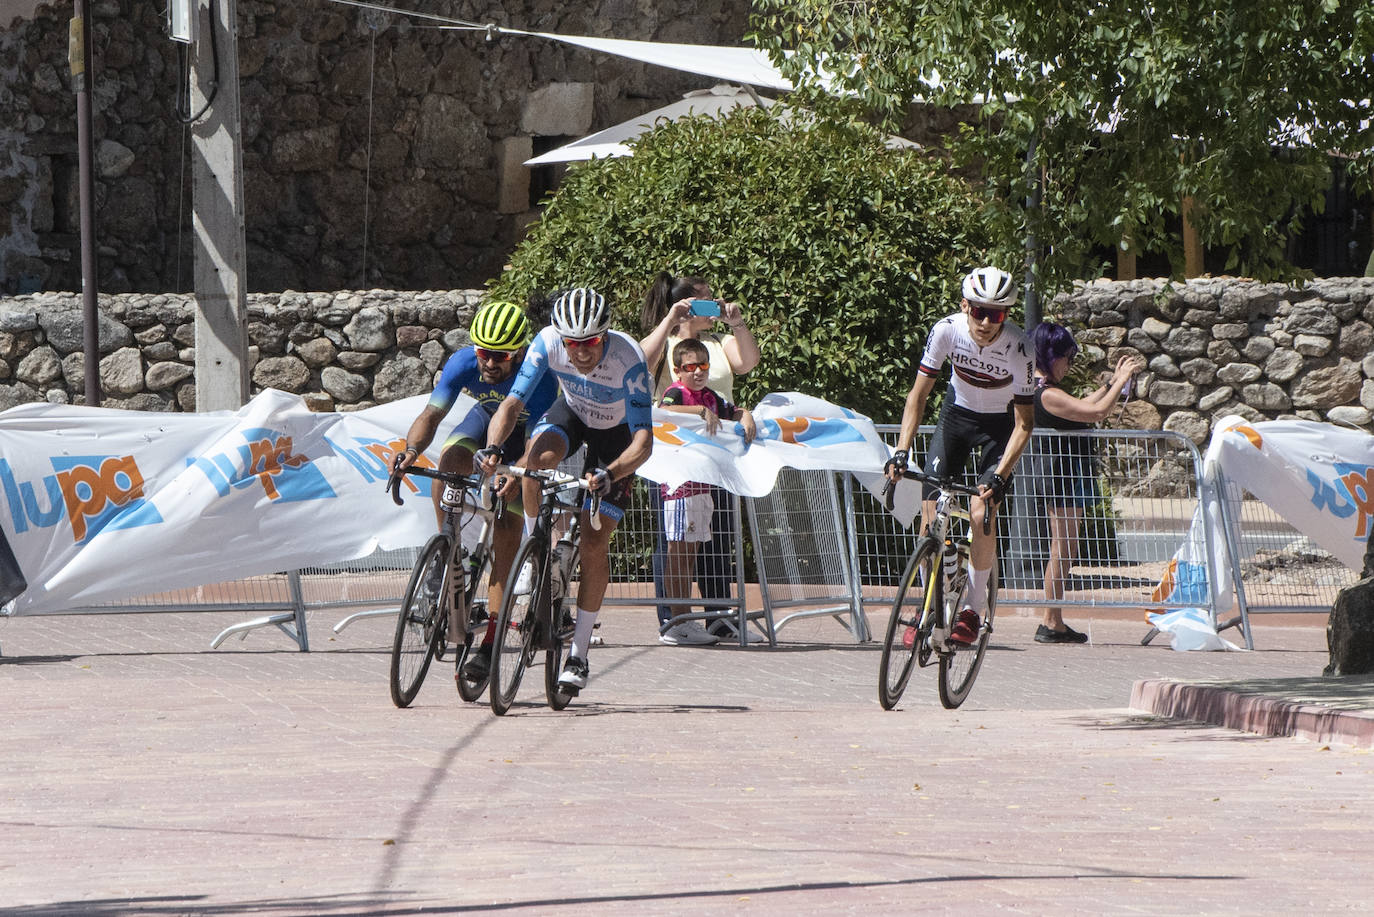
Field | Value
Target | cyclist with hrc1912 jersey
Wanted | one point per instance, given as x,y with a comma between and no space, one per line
486,370
605,403
989,407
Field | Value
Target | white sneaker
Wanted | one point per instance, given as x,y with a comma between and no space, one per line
688,633
524,583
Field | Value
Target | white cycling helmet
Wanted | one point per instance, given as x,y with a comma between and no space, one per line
581,313
991,287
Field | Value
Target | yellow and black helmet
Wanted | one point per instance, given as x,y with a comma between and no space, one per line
500,326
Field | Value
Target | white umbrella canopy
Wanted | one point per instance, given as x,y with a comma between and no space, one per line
611,141
711,102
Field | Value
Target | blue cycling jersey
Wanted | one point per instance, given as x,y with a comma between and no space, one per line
615,392
461,373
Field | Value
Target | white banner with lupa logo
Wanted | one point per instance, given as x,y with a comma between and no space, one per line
101,504
794,431
1317,477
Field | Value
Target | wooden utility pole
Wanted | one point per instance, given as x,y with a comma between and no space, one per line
217,211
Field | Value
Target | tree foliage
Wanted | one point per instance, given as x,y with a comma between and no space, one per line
841,252
1132,107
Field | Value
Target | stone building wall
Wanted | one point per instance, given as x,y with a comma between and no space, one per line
1214,346
356,124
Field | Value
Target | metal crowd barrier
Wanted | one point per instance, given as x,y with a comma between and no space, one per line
1275,568
821,544
1136,492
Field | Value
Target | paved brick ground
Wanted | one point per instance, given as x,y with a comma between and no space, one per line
145,774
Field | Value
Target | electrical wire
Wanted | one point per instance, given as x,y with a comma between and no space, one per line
182,105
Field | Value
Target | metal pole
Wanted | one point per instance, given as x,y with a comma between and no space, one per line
79,59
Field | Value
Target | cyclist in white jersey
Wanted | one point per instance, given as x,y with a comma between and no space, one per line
990,407
606,404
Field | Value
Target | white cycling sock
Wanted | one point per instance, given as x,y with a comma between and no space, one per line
976,594
582,633
529,528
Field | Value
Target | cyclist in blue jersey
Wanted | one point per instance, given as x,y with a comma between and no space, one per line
605,403
486,370
990,407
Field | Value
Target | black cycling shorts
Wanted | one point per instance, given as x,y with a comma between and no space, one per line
958,432
603,447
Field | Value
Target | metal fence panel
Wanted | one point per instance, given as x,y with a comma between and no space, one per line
1138,503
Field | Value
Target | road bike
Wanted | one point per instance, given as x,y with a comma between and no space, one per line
928,600
445,601
538,618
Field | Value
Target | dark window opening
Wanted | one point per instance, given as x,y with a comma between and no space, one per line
544,180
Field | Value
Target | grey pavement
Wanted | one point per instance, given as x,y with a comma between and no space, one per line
144,773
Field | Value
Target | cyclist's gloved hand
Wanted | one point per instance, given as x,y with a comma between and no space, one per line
486,455
998,485
600,481
896,464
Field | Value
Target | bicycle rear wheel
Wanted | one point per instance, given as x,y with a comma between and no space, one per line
420,623
920,586
513,647
476,625
560,626
959,668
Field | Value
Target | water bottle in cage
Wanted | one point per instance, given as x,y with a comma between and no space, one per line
949,561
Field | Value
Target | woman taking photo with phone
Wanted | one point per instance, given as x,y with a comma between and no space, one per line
683,308
678,309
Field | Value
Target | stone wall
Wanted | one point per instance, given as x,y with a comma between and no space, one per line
1219,346
356,125
341,351
1214,346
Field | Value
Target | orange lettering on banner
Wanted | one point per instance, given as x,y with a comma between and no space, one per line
386,453
665,433
1166,582
1249,433
266,459
1358,484
101,486
789,427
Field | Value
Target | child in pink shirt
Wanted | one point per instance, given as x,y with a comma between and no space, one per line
687,510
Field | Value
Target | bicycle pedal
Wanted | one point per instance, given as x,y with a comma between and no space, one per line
568,690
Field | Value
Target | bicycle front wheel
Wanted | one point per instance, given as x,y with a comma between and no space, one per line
475,603
919,589
420,623
959,668
516,624
560,626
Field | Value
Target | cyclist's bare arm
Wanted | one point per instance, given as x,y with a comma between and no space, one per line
914,410
1020,438
500,428
420,435
635,454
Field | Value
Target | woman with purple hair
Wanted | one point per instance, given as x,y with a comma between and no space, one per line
1072,472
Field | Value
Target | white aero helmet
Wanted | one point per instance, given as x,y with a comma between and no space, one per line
991,287
581,313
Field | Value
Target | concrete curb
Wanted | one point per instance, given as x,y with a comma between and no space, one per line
1220,704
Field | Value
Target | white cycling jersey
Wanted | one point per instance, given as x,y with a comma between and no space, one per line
615,392
986,379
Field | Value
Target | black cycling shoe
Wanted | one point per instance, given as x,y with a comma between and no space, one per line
478,665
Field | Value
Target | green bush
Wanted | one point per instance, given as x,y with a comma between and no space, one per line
841,251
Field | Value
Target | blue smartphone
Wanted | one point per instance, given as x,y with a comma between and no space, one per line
706,307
